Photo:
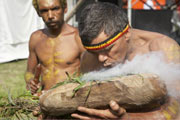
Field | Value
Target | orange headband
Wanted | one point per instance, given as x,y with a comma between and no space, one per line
107,42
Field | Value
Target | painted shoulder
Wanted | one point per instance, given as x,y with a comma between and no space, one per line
160,42
167,46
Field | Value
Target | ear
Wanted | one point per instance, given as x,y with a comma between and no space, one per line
127,35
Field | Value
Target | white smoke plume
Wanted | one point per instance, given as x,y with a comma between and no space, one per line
149,63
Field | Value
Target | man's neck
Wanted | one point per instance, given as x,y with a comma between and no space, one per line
55,32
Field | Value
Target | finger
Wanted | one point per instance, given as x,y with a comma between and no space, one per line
39,85
89,111
34,87
99,113
33,83
116,109
30,88
114,106
33,91
80,117
93,112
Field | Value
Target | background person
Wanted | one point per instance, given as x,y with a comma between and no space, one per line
56,48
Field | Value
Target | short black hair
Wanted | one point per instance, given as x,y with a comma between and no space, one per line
98,17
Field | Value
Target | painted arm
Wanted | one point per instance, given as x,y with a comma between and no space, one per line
32,79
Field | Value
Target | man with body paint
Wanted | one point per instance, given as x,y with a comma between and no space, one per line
109,40
56,48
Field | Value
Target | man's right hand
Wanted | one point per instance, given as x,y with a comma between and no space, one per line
33,86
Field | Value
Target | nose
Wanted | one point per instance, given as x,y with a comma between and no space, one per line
50,16
102,57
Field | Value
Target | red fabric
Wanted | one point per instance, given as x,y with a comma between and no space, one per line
178,9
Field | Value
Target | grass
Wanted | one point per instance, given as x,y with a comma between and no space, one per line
14,104
12,78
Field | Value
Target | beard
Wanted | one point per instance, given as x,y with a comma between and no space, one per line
55,25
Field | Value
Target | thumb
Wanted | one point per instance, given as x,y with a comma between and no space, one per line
38,85
116,109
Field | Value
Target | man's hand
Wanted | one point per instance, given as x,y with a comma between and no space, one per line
33,86
115,112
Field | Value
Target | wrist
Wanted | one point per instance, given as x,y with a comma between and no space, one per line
28,77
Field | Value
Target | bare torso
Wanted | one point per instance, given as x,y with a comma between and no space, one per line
144,42
58,55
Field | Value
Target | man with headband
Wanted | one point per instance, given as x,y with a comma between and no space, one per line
109,39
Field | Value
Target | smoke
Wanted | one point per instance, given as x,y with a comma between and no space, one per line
152,62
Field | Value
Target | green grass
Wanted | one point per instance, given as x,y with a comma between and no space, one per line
12,83
12,86
12,78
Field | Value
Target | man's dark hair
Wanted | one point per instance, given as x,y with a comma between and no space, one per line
99,17
35,4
